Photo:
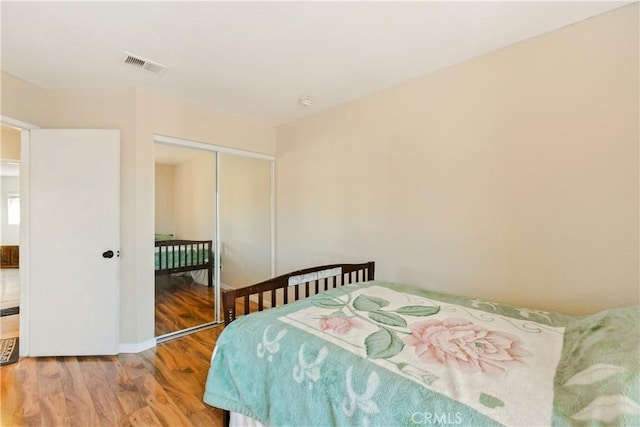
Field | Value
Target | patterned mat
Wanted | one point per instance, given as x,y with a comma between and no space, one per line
8,351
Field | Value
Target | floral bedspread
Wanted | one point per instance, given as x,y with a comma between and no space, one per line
380,354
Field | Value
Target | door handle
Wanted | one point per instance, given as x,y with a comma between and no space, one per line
107,254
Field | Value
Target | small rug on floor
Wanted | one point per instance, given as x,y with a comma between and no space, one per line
8,351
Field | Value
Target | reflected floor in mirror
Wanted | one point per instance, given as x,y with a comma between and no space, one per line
181,303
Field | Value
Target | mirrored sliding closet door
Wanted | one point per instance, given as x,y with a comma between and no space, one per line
245,219
213,229
185,235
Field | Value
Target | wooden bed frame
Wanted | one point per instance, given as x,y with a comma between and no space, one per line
173,248
317,279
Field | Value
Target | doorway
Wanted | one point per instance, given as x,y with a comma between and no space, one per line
19,151
10,233
204,193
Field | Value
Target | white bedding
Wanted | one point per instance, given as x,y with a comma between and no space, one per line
239,420
200,277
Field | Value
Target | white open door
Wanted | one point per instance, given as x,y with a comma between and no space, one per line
74,237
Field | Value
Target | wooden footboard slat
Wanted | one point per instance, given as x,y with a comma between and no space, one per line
348,274
246,304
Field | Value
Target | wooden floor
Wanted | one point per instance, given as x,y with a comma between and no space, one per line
181,303
158,387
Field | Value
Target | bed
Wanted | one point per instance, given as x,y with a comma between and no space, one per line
356,351
181,256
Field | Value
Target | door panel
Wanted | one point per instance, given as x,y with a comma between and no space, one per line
185,188
74,190
245,219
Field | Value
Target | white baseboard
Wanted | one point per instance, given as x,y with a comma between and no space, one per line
265,303
136,347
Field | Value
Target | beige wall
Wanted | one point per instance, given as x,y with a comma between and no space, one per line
194,195
138,115
9,151
512,176
10,144
245,220
21,100
164,222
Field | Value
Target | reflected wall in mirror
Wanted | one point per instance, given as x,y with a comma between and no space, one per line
185,218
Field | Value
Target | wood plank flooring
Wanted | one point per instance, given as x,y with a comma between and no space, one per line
181,303
162,386
10,326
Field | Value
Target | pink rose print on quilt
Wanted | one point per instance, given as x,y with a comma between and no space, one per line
339,325
461,344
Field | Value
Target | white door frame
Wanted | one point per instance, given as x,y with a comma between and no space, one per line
24,128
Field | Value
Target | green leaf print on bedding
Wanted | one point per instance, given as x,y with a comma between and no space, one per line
383,344
328,303
386,318
490,401
367,303
417,310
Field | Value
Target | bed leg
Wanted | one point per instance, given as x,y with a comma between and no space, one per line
226,418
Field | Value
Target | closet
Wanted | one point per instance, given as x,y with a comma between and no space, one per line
205,193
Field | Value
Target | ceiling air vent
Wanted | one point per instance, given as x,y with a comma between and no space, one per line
139,62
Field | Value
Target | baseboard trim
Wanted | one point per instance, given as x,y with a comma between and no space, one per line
136,347
265,303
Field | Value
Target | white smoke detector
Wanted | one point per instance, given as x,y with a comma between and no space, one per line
136,61
306,101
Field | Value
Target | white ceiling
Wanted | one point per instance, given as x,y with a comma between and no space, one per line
256,59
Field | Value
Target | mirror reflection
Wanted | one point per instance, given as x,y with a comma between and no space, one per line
185,218
245,220
186,249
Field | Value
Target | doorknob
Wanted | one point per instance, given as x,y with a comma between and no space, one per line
107,254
